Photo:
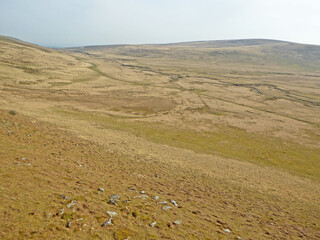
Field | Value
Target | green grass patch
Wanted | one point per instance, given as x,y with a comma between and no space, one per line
225,141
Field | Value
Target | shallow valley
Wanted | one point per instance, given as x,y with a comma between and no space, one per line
227,129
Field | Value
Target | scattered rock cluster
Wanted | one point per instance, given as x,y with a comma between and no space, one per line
165,205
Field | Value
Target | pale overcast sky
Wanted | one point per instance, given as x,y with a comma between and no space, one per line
90,22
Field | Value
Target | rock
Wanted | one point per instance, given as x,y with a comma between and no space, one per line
132,188
152,224
71,204
113,202
24,164
142,192
114,196
107,223
23,159
80,219
142,196
68,224
64,197
177,222
166,208
101,190
164,202
156,197
227,230
239,238
112,214
61,212
174,203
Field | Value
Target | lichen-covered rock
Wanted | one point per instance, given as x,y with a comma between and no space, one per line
152,224
107,223
112,214
114,196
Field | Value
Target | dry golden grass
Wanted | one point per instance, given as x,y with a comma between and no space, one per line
232,132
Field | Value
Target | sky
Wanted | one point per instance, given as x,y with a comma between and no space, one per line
66,23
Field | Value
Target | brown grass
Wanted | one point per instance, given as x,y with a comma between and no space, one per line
230,133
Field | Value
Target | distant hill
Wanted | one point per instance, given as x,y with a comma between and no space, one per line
230,43
249,52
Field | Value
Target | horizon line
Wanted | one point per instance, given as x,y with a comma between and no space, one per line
166,43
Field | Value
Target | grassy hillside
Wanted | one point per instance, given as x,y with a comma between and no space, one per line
229,130
27,64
